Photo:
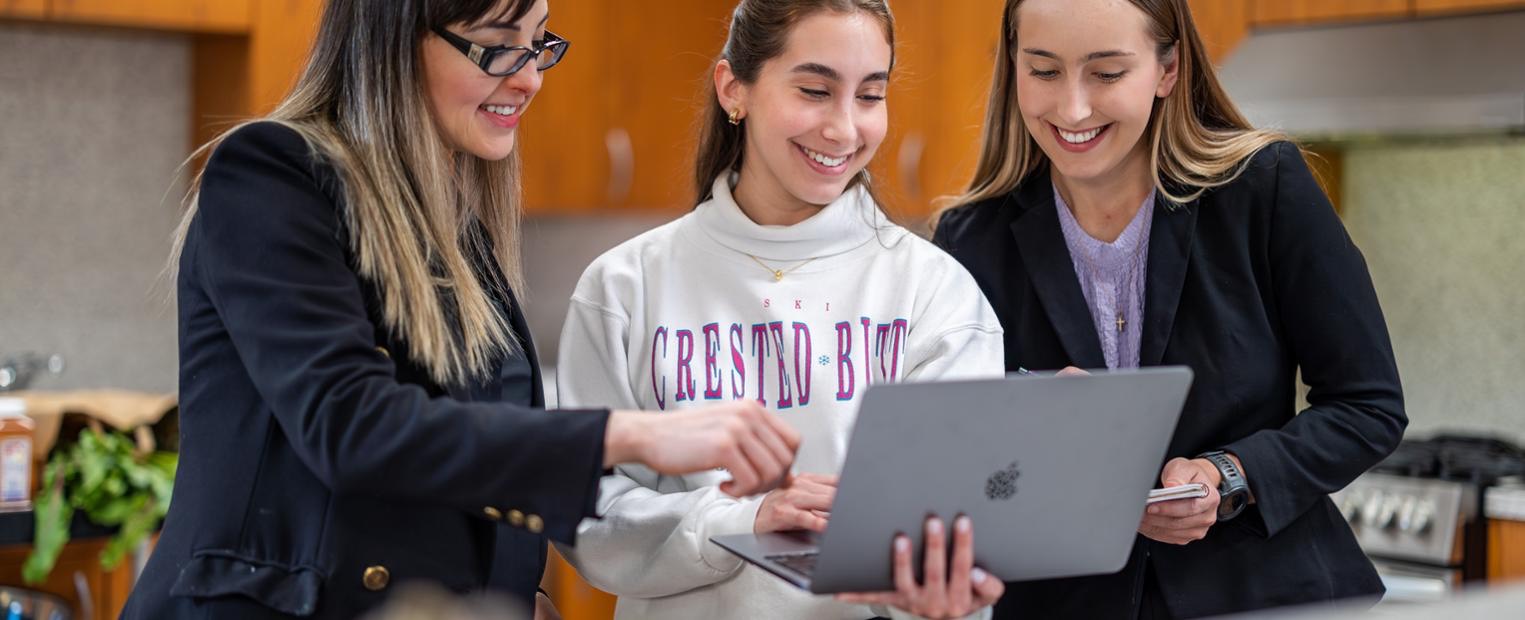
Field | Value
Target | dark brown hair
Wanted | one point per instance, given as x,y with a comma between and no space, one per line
759,30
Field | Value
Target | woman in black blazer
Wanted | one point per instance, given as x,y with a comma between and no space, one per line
1124,214
360,401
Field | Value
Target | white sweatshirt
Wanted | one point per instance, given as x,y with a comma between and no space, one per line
684,315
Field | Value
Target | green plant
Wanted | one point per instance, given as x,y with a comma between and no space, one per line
105,477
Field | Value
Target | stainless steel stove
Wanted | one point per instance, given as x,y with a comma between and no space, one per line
1418,514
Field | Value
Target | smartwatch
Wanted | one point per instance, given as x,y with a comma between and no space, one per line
1233,491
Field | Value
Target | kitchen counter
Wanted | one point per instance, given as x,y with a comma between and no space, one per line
17,528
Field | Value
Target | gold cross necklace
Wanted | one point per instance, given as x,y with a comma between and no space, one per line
1133,265
778,274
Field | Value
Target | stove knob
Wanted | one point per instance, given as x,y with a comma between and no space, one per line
1406,512
1371,507
1424,517
1388,516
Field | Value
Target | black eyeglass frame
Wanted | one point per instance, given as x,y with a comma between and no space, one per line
484,56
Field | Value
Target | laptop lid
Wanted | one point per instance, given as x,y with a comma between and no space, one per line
1053,471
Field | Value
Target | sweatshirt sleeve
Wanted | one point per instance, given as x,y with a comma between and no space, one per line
645,543
896,613
956,334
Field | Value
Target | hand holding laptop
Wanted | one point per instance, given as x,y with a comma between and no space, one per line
1000,451
948,591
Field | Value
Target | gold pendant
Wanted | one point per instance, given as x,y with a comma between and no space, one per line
778,276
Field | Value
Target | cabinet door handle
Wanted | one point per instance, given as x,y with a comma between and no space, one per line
621,165
909,161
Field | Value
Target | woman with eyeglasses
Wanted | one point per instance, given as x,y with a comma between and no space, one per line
786,284
360,402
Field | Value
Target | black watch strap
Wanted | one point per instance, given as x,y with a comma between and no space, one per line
1234,491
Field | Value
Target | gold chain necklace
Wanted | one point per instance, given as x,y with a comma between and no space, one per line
778,274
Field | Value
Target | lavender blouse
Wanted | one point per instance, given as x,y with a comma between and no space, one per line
1112,276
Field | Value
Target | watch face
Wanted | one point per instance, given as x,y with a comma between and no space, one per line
1232,503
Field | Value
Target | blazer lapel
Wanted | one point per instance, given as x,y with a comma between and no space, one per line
1170,241
522,330
1052,272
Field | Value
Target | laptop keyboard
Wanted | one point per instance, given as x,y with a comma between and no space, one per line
802,563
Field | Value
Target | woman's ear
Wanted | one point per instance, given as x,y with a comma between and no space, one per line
729,90
1172,62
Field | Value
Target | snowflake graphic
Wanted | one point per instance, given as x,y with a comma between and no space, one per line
825,360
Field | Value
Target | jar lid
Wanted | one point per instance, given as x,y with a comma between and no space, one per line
12,408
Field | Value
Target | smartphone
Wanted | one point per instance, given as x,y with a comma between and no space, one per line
1185,491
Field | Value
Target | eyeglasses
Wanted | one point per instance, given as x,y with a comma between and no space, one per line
506,60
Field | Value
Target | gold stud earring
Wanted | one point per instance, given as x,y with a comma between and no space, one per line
735,116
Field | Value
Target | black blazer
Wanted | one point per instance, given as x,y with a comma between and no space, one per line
318,467
1246,285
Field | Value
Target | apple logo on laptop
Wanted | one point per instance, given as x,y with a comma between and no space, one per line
1003,484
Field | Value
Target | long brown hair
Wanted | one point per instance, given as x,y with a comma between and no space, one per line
758,32
419,216
1197,137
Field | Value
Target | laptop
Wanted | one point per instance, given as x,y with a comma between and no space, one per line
1054,473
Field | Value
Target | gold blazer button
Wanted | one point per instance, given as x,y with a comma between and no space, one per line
534,524
376,578
516,518
492,513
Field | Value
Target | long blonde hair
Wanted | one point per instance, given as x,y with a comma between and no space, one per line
419,215
1198,139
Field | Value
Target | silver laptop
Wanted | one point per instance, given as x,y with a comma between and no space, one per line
1053,471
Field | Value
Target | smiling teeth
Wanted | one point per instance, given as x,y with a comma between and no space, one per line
829,162
501,110
1080,138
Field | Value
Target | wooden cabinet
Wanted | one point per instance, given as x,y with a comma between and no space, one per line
1310,11
1434,7
573,597
107,590
562,140
281,33
29,9
1506,551
1222,25
657,66
229,16
947,55
614,124
236,77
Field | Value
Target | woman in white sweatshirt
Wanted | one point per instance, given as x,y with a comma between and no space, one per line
786,285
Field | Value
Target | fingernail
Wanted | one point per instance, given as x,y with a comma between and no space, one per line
934,526
1154,510
962,524
977,576
902,544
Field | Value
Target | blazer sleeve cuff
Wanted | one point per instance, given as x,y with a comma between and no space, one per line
1276,504
579,474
